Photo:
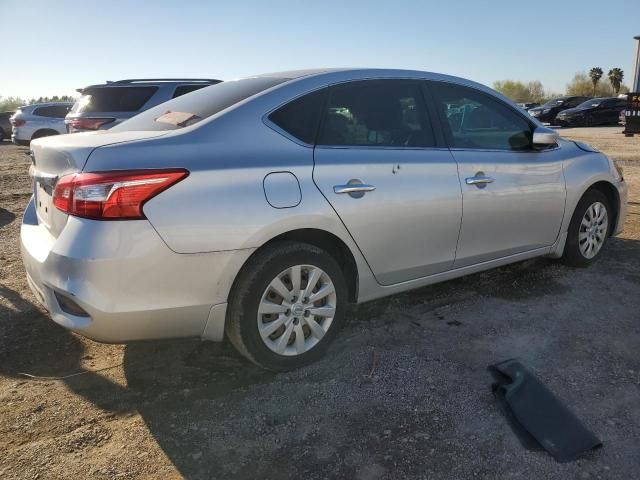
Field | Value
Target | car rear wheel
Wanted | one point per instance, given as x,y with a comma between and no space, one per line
588,230
286,306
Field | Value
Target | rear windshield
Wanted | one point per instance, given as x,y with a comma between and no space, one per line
196,106
113,99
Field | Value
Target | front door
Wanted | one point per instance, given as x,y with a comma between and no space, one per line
513,195
397,194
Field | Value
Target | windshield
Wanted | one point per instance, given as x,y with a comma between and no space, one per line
589,104
555,102
195,106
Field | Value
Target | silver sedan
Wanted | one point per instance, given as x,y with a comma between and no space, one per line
258,208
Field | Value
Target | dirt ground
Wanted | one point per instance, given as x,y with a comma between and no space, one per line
403,393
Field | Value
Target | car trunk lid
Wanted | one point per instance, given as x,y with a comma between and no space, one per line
57,156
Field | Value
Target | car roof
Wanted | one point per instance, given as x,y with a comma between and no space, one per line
47,104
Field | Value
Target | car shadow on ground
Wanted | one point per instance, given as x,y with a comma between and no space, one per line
6,217
179,388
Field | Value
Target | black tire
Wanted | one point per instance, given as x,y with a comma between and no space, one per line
2,135
242,314
572,254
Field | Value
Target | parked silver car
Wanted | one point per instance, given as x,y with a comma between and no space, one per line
260,207
105,105
38,120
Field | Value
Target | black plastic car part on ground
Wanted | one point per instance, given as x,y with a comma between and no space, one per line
597,111
547,113
537,416
632,114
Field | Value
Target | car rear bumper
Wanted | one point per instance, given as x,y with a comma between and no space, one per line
130,285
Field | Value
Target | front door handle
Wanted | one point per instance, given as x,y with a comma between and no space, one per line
353,188
480,180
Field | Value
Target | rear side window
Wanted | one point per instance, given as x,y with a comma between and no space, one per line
182,89
300,117
377,113
199,105
52,111
475,120
114,99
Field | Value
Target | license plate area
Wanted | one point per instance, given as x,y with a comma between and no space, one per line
44,203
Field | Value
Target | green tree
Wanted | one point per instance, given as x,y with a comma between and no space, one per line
9,104
582,85
521,92
595,74
615,77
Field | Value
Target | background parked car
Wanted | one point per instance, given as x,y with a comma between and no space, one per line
528,105
5,125
105,105
38,120
548,112
597,111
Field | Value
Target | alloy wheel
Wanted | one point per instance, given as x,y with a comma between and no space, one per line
593,230
296,310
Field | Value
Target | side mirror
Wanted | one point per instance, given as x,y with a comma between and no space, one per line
544,138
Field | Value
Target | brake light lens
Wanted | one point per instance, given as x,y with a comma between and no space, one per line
89,123
115,195
17,122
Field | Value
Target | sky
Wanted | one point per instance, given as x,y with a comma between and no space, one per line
52,47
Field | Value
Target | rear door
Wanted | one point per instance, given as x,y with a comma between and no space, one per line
513,195
377,163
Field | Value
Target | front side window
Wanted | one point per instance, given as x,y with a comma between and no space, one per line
472,119
376,113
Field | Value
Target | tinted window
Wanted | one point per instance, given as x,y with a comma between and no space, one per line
300,117
52,111
114,99
182,89
200,104
476,120
385,113
575,102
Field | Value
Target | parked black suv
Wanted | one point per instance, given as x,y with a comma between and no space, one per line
597,111
105,105
547,113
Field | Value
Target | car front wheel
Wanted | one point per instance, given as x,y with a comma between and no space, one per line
588,230
286,306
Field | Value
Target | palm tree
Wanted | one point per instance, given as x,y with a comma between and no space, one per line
596,74
615,77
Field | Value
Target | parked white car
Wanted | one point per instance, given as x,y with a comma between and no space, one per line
38,120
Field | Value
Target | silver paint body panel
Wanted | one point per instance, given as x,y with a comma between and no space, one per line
170,275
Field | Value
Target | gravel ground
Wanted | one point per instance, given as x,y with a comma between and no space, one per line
403,393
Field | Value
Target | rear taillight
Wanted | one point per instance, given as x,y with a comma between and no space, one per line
17,122
115,195
89,123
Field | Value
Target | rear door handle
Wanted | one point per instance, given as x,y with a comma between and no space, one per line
353,188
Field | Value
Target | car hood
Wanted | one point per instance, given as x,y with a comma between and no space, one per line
572,111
